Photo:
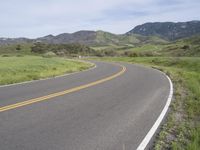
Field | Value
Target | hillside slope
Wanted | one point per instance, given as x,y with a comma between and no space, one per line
168,30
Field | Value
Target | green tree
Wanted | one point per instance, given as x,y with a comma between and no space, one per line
39,48
18,47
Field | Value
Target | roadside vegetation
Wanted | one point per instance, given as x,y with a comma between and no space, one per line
38,48
182,128
15,69
16,49
70,50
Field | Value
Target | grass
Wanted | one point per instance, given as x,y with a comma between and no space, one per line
25,48
182,128
18,69
147,47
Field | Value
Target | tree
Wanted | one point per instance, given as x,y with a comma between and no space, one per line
18,47
39,48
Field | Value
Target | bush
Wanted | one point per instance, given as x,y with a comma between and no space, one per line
49,55
18,47
20,55
110,53
131,54
99,54
6,55
60,53
186,47
39,48
146,54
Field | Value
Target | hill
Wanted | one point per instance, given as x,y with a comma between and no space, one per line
8,41
90,38
183,47
154,33
98,38
81,37
168,30
143,46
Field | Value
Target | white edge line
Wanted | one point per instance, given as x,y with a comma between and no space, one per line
31,81
153,129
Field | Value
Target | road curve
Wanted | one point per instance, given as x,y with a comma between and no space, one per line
115,114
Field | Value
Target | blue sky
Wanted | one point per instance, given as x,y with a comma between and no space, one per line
35,18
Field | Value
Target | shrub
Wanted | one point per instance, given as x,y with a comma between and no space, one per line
131,54
60,53
109,52
20,55
49,55
18,47
186,47
39,48
6,55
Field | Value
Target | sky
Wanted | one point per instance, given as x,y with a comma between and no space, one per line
37,18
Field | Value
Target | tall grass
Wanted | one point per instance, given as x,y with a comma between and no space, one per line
17,69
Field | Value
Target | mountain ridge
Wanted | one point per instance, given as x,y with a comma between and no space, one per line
168,30
155,32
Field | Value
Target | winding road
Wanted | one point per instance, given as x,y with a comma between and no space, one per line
110,107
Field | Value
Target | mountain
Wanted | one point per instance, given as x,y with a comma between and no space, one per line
168,30
82,37
93,38
154,33
90,38
7,41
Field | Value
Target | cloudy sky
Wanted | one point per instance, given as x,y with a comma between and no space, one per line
35,18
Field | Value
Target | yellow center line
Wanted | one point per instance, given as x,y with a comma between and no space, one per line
47,97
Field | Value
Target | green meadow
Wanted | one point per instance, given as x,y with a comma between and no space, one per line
15,69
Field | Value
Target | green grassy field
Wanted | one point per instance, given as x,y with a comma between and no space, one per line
25,48
17,69
147,47
182,128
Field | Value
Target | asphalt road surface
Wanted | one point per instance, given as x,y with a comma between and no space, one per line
115,112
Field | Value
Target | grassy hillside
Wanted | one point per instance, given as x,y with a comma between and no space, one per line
109,39
108,44
24,48
182,128
70,50
184,47
17,69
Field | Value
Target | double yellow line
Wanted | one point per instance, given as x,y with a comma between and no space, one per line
47,97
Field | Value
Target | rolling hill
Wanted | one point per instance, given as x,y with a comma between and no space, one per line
90,38
99,38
